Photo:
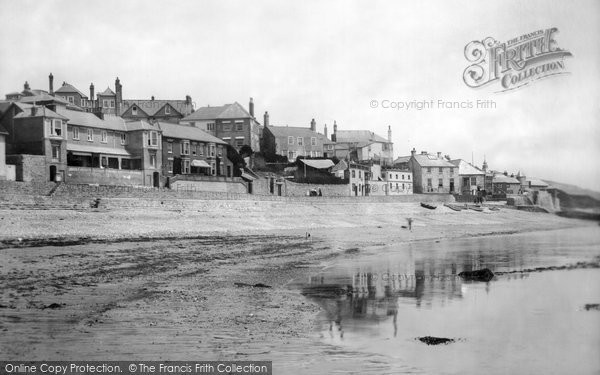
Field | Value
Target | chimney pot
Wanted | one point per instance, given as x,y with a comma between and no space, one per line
266,119
251,107
51,84
439,154
313,125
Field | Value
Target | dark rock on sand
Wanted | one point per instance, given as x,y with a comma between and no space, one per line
477,275
430,340
591,306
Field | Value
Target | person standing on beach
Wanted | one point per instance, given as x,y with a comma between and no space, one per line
410,220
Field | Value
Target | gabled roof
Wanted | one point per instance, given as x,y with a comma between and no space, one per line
318,163
341,166
466,168
107,92
293,131
430,160
67,88
502,179
192,133
358,136
151,107
88,119
227,111
41,111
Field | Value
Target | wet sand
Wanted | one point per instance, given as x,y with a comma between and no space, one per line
135,287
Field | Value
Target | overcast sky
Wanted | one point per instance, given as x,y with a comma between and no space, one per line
328,60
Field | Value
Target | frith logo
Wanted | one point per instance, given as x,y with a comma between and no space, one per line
515,63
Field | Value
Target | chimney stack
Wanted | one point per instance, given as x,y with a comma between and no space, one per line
91,91
33,110
119,98
439,154
423,152
325,130
313,125
26,86
334,135
251,107
266,119
413,152
51,84
152,97
389,133
188,100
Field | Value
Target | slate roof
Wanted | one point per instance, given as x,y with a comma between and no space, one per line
366,136
502,179
43,98
293,131
466,168
151,107
41,111
141,125
430,160
536,182
67,88
188,132
227,111
90,120
402,159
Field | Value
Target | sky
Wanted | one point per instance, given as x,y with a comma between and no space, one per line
343,61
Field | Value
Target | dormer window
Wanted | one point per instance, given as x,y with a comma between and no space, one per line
167,110
134,111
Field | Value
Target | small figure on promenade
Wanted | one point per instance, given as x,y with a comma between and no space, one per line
410,220
320,193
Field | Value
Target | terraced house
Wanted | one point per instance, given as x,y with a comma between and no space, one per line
193,154
293,141
230,122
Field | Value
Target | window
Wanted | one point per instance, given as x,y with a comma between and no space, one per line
239,126
428,169
123,138
353,173
112,104
185,148
167,110
134,111
71,99
90,135
441,183
193,148
185,167
75,132
408,177
105,103
55,128
170,165
220,151
170,148
359,174
56,152
403,177
451,171
313,141
473,180
153,140
201,149
212,150
152,160
210,126
440,170
396,176
82,102
290,140
300,141
213,171
429,182
239,143
226,126
291,155
104,138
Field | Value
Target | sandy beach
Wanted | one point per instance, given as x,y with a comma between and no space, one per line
161,284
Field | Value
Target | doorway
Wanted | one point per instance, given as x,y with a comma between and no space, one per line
53,173
156,179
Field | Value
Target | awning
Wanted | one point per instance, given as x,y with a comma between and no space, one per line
96,150
318,163
200,164
247,176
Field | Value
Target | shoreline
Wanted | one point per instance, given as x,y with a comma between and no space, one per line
175,296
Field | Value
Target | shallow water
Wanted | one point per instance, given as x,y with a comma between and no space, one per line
374,305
